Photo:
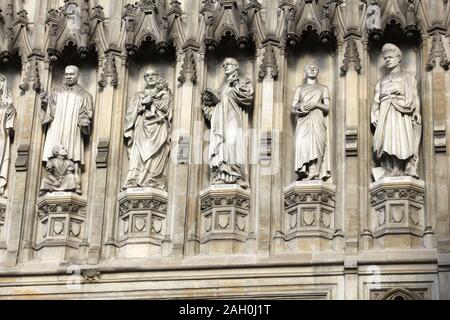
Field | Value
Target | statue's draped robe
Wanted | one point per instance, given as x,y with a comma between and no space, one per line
227,149
66,107
7,116
148,134
61,176
396,133
311,137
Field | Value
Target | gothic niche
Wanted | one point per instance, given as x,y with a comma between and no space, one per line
227,108
309,193
397,193
150,26
143,200
67,115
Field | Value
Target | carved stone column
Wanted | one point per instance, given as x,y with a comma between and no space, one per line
224,223
309,208
61,219
398,212
142,222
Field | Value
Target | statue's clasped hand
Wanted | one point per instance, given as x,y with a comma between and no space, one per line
417,117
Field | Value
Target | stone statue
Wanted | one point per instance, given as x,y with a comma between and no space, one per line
73,15
147,130
373,20
60,170
311,105
7,117
396,118
226,113
67,112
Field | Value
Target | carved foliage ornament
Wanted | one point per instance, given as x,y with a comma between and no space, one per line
269,62
351,56
438,51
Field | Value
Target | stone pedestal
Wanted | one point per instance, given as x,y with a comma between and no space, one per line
142,222
309,215
224,225
61,224
397,216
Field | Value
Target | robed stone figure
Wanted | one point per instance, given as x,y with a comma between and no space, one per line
311,105
396,118
67,114
7,117
226,112
147,131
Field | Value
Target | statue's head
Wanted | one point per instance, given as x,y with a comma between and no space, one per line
230,65
151,77
311,71
59,151
392,55
71,74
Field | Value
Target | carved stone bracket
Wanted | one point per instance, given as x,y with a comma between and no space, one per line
351,56
142,222
61,224
309,215
351,142
102,153
398,212
23,153
91,275
224,222
440,139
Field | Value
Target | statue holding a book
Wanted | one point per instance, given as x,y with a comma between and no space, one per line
226,113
